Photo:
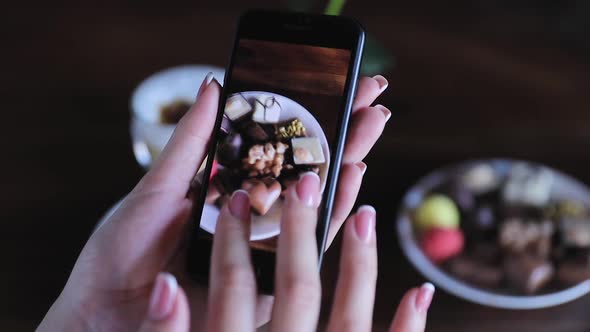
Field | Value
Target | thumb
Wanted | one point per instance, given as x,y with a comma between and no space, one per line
168,308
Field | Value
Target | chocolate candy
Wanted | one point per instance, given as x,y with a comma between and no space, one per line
528,185
226,181
254,131
229,150
437,211
524,212
481,178
237,108
263,194
571,273
527,274
486,253
473,271
266,109
575,232
307,151
440,244
517,236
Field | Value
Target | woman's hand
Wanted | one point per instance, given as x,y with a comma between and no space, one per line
232,292
110,285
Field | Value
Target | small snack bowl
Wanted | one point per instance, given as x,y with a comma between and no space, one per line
159,102
503,233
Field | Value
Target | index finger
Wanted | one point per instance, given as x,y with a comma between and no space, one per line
369,88
297,280
186,149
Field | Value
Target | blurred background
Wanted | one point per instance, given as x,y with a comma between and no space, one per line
471,79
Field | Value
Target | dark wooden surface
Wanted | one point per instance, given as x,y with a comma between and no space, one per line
482,78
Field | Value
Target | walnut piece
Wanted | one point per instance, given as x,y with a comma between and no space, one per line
267,159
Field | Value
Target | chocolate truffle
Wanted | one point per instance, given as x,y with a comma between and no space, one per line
229,150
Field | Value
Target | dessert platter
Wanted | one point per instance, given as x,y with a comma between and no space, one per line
499,232
267,141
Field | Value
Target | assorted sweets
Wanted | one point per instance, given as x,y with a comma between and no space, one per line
505,232
259,153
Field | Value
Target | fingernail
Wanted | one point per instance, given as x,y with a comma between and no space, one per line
385,111
364,222
383,84
308,189
205,83
163,296
239,204
362,166
424,297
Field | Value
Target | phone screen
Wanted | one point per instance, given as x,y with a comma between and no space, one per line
283,106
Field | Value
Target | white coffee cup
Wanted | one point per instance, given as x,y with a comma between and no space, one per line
148,134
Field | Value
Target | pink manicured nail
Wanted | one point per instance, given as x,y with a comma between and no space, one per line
364,222
239,204
362,166
383,84
205,83
308,189
385,111
424,297
163,296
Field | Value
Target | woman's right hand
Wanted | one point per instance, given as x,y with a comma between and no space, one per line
232,292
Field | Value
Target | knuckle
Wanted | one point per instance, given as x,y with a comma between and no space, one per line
302,290
236,277
346,323
360,265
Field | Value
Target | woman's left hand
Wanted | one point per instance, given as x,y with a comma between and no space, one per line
111,282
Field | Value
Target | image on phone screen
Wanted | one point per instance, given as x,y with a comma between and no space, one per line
281,116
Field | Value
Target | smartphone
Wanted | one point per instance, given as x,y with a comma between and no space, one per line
284,110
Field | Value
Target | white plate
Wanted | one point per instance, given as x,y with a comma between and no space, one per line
267,226
563,187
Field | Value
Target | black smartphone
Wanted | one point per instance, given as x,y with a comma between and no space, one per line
284,110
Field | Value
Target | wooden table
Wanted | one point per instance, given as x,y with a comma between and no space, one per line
470,81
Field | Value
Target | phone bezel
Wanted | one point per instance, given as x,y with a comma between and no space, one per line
296,28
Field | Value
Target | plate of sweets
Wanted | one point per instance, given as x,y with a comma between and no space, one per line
500,232
267,141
